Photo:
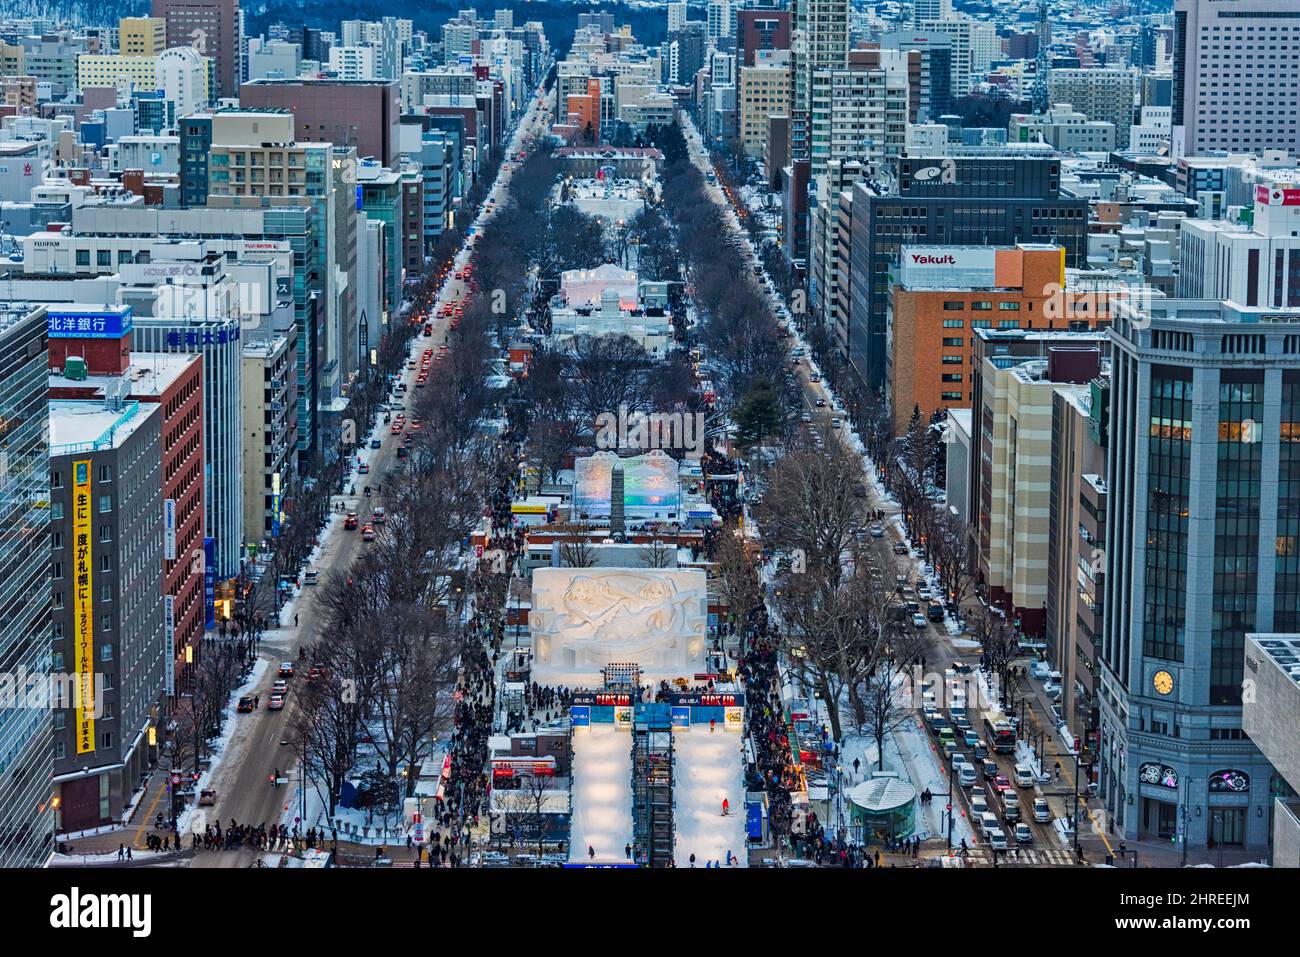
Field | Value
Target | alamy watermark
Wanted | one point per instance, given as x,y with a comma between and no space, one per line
630,429
56,690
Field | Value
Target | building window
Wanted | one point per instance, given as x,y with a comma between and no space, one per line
56,511
106,651
106,473
106,533
982,306
953,323
1009,306
56,570
106,503
951,342
954,305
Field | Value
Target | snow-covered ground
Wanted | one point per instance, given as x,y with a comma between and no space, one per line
602,793
708,767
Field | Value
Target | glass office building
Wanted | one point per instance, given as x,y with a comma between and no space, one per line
26,720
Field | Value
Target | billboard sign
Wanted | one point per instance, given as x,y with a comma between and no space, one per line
88,324
947,267
83,597
1277,196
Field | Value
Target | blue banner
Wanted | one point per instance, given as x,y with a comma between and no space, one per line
580,715
209,581
85,324
681,716
754,820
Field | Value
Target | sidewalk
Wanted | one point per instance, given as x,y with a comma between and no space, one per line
133,832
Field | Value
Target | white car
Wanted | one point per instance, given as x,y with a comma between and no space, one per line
1024,834
806,417
918,621
998,839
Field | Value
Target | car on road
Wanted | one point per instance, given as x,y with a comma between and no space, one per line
367,532
1024,833
988,823
1042,811
1011,813
979,806
877,531
208,797
276,703
286,669
363,468
836,423
900,548
970,737
376,443
246,704
806,417
821,403
379,515
396,428
918,621
998,839
281,686
1024,776
350,522
1001,784
310,577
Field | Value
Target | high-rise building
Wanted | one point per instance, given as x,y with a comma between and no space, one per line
760,29
26,797
1076,543
676,15
109,369
361,113
819,40
1255,263
1104,94
1202,548
141,36
1236,75
214,28
975,197
107,579
764,90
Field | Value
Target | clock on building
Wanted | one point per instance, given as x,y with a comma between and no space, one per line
1163,682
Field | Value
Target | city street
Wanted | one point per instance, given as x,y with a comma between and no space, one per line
941,653
260,742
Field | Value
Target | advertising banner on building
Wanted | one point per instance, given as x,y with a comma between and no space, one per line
169,644
169,529
947,267
209,581
83,598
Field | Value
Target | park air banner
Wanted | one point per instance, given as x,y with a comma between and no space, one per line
82,608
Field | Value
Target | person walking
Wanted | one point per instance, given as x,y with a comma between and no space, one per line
591,852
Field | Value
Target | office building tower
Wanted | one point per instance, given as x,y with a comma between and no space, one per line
27,821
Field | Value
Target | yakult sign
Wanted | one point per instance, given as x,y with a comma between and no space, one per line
947,266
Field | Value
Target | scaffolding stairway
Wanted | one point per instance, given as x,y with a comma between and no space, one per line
652,785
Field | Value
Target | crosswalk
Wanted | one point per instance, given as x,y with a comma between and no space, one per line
1023,857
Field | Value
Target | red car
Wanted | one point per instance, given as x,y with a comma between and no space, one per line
1000,783
350,523
397,428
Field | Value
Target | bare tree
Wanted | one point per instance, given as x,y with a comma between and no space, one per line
326,734
657,554
525,808
577,554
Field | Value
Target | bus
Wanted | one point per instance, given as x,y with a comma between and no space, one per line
998,733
